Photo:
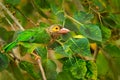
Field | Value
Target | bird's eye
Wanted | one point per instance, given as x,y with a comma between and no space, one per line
56,28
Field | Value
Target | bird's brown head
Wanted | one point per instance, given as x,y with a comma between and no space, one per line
57,30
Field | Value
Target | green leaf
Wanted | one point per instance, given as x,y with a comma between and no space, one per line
106,33
114,52
60,17
91,70
55,7
50,70
76,67
27,66
13,2
63,50
7,34
79,46
14,69
39,5
71,25
4,61
42,4
111,21
73,46
91,31
100,62
83,17
65,76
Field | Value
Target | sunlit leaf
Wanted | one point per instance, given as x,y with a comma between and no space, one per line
76,67
91,31
79,46
91,70
4,61
72,46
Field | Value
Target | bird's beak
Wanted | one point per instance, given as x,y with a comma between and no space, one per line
64,31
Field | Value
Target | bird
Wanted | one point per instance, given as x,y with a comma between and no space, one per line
39,35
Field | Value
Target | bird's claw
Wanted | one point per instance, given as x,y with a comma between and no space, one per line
36,56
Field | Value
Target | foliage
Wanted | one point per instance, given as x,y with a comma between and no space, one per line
71,56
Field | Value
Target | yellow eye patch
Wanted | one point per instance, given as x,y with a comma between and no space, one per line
55,29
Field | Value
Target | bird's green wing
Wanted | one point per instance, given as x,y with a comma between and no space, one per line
35,35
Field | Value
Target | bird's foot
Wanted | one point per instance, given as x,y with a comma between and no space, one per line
36,56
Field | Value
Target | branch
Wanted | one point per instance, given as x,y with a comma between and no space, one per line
10,23
10,14
41,68
40,65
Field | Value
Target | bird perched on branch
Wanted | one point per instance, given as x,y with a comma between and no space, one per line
39,35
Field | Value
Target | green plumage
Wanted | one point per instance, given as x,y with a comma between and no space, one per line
35,35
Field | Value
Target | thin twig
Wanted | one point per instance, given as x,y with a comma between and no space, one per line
95,53
41,68
10,14
40,64
99,15
10,23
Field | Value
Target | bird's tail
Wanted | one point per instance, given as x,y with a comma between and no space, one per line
10,46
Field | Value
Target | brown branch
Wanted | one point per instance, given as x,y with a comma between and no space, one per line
10,14
40,65
41,69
